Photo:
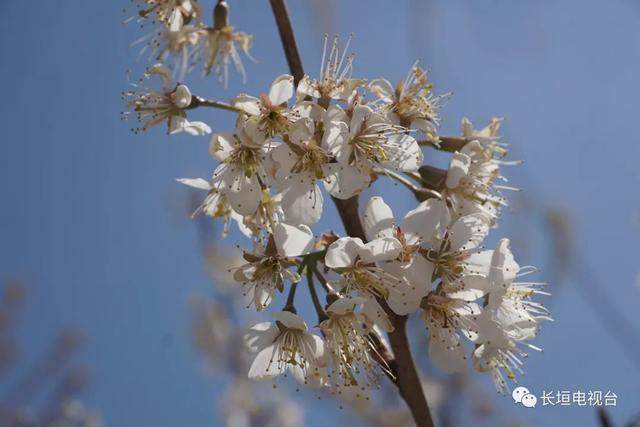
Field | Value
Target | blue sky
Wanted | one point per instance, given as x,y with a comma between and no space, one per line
93,219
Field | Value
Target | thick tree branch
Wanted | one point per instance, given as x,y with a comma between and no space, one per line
406,376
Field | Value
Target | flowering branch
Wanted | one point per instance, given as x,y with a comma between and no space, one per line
406,379
340,133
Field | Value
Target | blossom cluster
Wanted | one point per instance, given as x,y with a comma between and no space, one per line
180,36
335,135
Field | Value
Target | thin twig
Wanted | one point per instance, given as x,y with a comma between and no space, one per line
197,101
291,298
289,306
322,316
420,193
323,282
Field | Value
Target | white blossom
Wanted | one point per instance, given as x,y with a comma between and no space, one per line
215,204
152,107
356,262
451,246
267,268
173,14
303,161
242,174
222,44
379,222
446,319
510,319
350,348
367,140
411,102
270,113
474,172
286,345
334,81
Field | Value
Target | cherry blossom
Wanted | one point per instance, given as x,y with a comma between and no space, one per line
285,345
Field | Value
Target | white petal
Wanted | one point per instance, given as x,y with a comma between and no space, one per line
479,263
383,89
222,146
467,128
344,305
306,88
468,232
302,130
320,349
472,287
343,252
164,73
199,183
177,124
293,241
504,267
290,320
285,160
378,219
344,181
405,152
360,114
335,113
376,315
383,249
302,201
244,194
248,104
262,296
336,141
309,110
458,168
281,89
426,221
260,336
418,273
262,366
181,97
446,351
426,126
176,20
197,128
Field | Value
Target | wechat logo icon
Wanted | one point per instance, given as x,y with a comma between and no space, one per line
523,396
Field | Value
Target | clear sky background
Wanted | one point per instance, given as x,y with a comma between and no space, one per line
92,217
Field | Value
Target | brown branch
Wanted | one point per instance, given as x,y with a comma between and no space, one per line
285,29
348,210
432,177
407,376
447,143
603,418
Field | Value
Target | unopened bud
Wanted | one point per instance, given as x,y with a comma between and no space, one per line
221,15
